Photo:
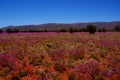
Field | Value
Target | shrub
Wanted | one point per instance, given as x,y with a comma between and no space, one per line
71,30
76,30
100,30
16,30
1,30
117,28
62,30
103,29
91,29
9,30
45,30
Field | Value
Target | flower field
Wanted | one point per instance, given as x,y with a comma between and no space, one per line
60,56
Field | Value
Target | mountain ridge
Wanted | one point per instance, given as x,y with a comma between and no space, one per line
57,26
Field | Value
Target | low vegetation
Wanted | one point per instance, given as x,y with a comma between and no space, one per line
89,28
63,56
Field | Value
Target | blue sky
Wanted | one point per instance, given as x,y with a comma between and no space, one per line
23,12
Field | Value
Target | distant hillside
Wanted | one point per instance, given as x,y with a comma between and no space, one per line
56,26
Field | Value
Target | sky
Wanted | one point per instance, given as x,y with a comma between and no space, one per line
28,12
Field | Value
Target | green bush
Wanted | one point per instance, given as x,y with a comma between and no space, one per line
1,30
117,28
71,30
91,29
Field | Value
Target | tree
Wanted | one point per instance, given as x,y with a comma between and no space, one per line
16,30
45,30
1,30
62,30
58,31
103,29
100,30
117,28
9,30
83,29
76,30
91,29
71,30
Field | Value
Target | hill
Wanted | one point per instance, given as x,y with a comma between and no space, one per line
57,26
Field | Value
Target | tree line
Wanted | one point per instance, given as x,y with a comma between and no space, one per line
89,28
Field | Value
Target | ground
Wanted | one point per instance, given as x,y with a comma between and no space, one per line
60,56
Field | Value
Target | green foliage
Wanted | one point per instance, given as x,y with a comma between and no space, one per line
45,30
76,30
1,30
100,30
91,29
12,30
71,30
62,30
103,29
16,30
117,28
9,30
32,31
83,30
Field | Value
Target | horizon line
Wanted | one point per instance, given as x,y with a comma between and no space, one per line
59,23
